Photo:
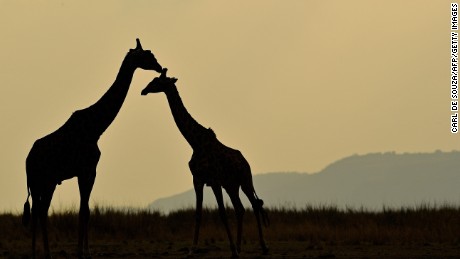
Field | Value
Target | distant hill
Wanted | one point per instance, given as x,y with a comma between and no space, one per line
372,181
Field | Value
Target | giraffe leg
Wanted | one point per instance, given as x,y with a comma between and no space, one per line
85,184
249,191
45,202
35,212
198,186
239,211
223,215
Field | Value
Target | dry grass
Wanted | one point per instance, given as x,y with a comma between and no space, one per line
311,227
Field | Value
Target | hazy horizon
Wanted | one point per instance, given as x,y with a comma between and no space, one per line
375,182
294,85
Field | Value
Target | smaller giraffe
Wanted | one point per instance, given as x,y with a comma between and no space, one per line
213,164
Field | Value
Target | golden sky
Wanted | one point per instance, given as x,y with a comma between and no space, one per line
294,85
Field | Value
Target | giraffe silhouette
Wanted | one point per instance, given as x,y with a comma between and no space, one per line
72,151
213,164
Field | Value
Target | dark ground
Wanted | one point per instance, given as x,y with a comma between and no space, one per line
148,249
315,232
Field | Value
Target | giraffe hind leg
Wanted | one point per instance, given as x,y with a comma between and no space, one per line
223,215
257,207
45,203
239,211
85,184
35,210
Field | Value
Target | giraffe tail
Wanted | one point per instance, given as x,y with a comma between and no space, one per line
26,214
263,213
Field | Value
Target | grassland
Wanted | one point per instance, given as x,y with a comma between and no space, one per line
313,232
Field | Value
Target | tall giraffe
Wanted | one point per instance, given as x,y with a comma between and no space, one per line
72,151
213,164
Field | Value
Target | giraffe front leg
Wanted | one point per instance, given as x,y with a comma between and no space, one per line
198,186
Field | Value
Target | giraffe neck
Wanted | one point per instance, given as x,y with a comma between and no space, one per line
193,132
101,114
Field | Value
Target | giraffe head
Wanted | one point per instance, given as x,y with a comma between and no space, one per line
160,84
140,58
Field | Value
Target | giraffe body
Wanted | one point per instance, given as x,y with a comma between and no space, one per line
63,154
72,151
219,165
54,163
212,164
